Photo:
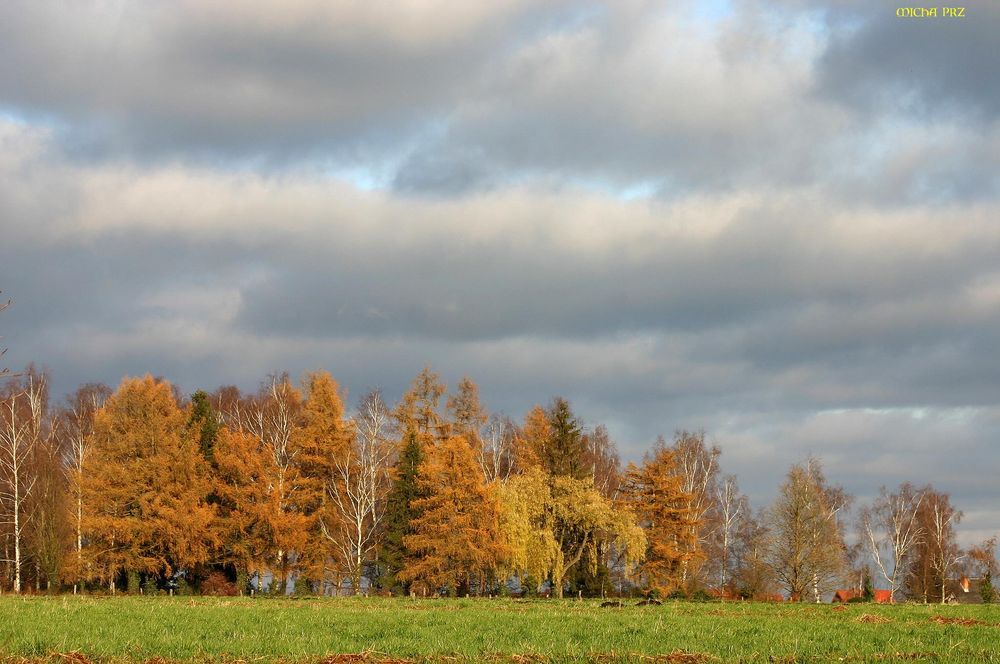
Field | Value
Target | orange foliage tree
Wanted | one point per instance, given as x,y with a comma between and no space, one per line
145,493
654,491
456,543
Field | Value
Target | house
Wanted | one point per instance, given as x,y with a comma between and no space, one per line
963,591
881,596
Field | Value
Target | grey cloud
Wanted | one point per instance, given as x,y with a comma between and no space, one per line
674,222
304,78
935,68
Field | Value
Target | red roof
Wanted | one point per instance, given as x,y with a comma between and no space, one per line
881,596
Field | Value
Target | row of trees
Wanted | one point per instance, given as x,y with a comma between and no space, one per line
284,488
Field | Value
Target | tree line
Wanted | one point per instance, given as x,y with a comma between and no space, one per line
286,489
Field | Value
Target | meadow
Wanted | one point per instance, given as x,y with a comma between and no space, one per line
75,630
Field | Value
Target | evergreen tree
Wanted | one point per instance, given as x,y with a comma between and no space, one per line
203,424
399,512
867,589
986,590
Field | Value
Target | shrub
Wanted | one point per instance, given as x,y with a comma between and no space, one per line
216,583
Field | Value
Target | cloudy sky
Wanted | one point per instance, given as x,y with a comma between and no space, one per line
776,220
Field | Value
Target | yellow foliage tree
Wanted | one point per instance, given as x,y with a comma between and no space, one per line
554,523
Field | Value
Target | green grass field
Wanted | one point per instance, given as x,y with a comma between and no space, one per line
72,629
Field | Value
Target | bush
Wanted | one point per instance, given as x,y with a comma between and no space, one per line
857,600
216,583
677,594
700,596
986,590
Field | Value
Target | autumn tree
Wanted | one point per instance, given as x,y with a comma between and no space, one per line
467,414
655,492
323,442
249,509
420,426
418,412
531,440
273,418
145,496
697,464
890,530
983,563
455,542
807,545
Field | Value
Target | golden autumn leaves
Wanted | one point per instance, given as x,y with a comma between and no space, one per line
284,485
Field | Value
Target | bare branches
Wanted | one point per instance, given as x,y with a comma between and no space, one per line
358,486
890,530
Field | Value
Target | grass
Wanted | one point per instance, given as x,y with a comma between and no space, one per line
133,629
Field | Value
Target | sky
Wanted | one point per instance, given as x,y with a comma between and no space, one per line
773,220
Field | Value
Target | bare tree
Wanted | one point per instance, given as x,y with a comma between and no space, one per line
945,553
733,507
601,454
808,549
496,454
890,530
21,431
78,425
359,485
3,370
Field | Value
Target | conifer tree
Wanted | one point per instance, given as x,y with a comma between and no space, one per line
249,513
145,495
655,492
203,423
399,512
323,442
468,416
455,542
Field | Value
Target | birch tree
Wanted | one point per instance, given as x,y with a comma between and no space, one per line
21,421
890,529
732,508
78,425
496,454
697,464
358,487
